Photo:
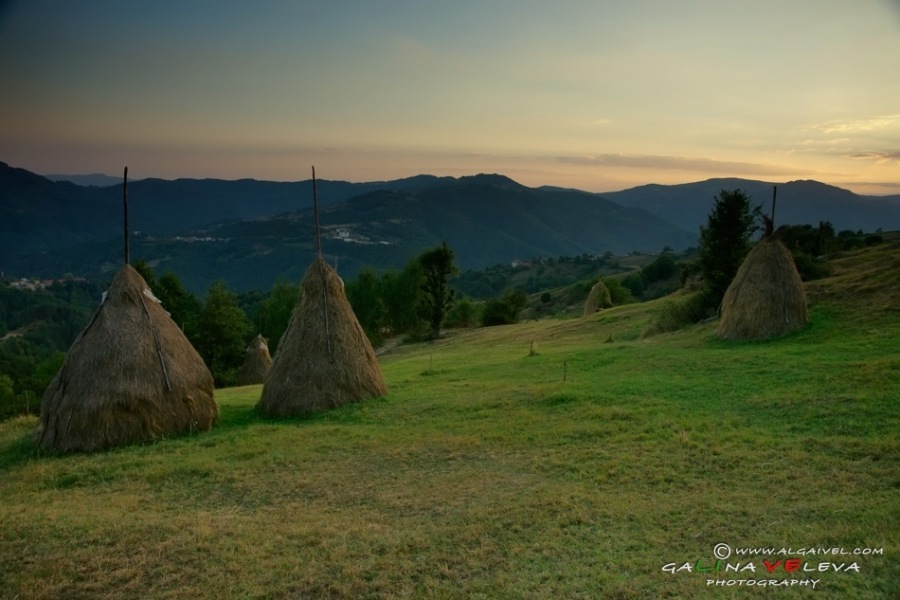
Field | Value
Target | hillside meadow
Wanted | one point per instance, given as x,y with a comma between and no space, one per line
551,459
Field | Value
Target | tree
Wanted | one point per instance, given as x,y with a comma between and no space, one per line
660,269
8,404
636,283
464,313
182,305
437,268
43,373
724,242
275,313
618,293
826,239
364,295
400,293
505,310
146,271
223,336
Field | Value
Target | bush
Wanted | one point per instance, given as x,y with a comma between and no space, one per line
635,283
9,406
680,312
464,313
660,269
810,267
618,294
505,310
872,240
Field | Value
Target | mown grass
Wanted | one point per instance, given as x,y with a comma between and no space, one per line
490,471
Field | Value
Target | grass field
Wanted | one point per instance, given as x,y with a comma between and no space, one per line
578,470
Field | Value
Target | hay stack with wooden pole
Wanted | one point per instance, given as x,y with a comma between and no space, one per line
598,298
256,363
130,376
766,298
324,358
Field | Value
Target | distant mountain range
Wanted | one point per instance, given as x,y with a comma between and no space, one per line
797,202
250,232
91,179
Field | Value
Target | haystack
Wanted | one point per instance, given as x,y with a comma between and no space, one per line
324,358
130,376
766,297
256,363
597,299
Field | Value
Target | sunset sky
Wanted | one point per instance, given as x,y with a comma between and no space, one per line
599,95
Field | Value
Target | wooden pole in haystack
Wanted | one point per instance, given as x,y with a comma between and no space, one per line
125,205
316,211
319,250
774,193
769,220
303,379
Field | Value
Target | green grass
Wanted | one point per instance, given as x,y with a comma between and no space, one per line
485,475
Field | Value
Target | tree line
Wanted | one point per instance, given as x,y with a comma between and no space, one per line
36,327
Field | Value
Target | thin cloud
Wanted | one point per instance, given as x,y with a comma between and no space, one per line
878,155
858,125
883,184
676,163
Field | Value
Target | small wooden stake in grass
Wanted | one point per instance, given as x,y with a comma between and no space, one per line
565,369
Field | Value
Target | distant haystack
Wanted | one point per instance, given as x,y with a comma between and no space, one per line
256,363
130,376
324,358
597,299
766,297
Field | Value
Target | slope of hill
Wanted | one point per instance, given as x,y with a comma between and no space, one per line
249,232
489,219
579,470
88,180
486,219
798,202
37,214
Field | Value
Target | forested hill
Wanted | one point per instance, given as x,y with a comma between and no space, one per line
486,219
249,233
797,203
37,214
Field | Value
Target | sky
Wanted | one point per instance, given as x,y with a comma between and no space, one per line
599,95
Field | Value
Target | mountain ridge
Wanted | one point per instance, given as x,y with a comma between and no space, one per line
798,202
252,231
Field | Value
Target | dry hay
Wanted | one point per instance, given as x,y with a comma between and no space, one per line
256,363
324,358
766,298
597,299
130,376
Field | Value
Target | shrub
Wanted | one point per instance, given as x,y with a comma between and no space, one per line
618,293
810,267
464,313
505,310
679,312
